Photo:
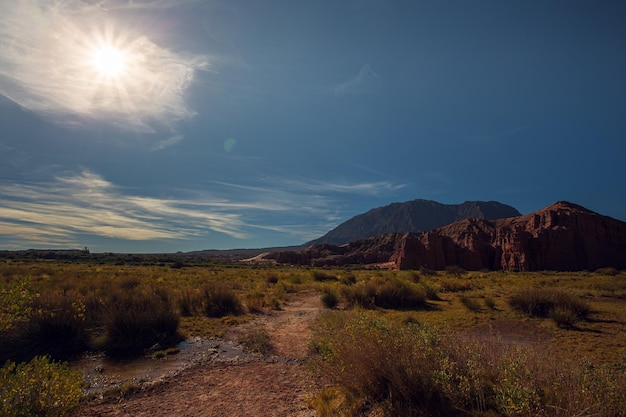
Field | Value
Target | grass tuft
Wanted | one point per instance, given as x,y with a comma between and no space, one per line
562,306
220,301
390,293
330,298
137,320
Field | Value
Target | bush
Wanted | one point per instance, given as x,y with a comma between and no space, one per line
322,276
542,302
139,319
220,301
454,285
255,301
471,304
256,341
563,317
392,293
348,279
431,292
413,370
330,299
455,270
39,388
55,325
190,302
607,271
372,359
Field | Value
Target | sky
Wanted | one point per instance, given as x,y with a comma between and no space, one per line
181,125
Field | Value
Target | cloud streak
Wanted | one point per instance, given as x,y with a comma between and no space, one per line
46,66
63,211
88,204
357,84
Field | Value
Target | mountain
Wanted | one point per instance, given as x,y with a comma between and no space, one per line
561,237
412,216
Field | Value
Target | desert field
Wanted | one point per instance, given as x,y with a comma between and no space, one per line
241,339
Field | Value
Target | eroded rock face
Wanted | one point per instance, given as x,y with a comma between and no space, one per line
561,237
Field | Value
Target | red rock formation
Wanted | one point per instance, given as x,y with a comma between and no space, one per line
561,237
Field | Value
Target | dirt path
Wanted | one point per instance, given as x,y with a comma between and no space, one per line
243,385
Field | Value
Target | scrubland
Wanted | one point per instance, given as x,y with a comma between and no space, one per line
405,343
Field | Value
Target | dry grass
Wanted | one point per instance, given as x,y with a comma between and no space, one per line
415,370
83,292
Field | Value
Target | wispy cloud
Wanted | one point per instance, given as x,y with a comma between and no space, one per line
88,204
357,84
360,188
46,65
63,211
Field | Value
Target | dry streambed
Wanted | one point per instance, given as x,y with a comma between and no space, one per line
217,377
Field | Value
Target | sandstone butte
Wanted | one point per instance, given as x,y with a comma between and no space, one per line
561,237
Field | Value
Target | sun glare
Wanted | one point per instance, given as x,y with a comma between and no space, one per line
109,61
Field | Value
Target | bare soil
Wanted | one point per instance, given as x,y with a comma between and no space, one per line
276,384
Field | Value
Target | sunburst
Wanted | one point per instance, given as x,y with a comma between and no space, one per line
109,61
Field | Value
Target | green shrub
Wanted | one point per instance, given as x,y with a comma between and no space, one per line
455,270
412,370
348,279
190,302
454,285
322,276
220,301
256,341
59,325
255,301
431,291
55,324
563,317
139,319
330,299
16,300
39,388
607,271
374,360
490,303
542,302
471,304
391,293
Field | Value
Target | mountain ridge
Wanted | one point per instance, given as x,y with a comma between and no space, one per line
562,237
411,216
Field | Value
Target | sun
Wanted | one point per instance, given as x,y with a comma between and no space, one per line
109,61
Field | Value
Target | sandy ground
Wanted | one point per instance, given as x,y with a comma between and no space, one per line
247,385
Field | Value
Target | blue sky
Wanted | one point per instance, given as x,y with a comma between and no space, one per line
233,123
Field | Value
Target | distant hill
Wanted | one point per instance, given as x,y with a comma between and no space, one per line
561,237
412,216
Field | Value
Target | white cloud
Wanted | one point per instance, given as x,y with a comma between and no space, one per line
357,84
46,66
360,188
88,204
63,211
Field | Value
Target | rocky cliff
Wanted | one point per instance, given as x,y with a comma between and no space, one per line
412,216
561,237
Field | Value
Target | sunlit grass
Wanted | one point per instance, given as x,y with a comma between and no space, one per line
264,288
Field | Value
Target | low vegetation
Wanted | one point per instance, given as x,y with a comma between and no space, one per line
414,370
389,293
400,342
563,307
40,387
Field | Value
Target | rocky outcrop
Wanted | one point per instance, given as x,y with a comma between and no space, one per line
561,237
412,216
